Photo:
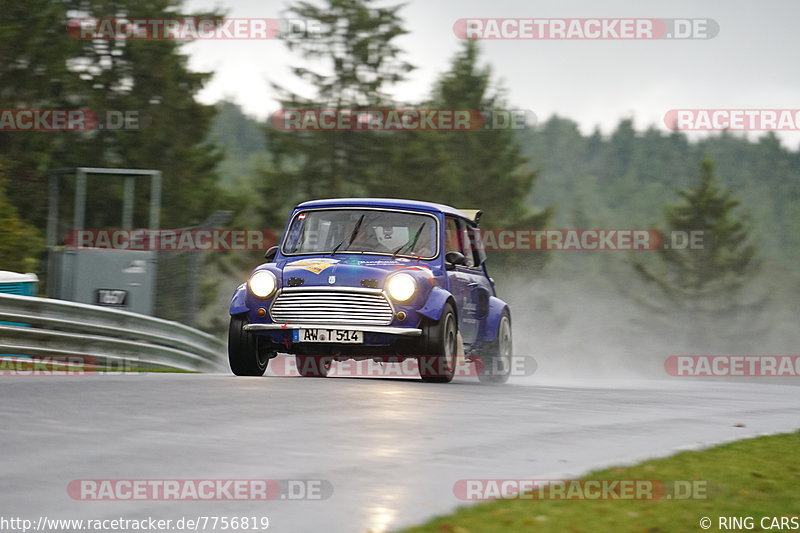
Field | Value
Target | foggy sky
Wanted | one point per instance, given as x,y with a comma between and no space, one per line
751,63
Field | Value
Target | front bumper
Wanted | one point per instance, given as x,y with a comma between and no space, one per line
390,330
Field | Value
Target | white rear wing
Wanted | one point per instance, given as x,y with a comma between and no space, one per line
473,214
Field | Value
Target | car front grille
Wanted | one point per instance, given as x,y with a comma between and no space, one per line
344,307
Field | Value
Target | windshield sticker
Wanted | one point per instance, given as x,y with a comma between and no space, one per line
313,265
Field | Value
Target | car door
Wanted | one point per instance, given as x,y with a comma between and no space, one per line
457,279
476,297
479,286
465,280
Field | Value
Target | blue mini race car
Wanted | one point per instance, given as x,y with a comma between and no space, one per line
373,279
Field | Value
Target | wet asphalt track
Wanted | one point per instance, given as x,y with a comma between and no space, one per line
392,449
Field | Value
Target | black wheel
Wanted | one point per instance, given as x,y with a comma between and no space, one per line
243,354
437,362
313,366
495,363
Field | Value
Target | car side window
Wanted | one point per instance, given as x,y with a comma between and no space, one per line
451,238
456,240
478,252
466,245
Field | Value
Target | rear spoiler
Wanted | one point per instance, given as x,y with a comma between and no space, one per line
473,214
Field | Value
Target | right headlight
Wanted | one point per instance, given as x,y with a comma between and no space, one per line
263,283
401,287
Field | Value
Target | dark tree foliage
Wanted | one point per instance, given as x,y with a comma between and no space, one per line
491,171
43,66
361,62
20,243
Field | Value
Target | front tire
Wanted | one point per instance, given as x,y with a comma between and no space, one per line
437,364
495,363
243,353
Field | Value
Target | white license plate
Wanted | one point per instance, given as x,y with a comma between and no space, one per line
339,336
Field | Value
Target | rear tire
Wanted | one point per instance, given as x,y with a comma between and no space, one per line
243,353
313,366
437,364
495,363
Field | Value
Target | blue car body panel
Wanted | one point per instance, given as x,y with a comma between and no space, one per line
492,322
238,302
434,305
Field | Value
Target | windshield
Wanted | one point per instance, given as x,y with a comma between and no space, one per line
366,231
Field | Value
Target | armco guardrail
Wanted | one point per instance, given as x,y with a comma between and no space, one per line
62,328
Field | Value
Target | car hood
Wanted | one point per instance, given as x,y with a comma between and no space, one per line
345,271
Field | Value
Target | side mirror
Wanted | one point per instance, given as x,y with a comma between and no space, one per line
270,254
453,259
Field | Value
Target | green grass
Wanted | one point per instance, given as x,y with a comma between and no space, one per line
755,477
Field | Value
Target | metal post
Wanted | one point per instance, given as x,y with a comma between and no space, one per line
127,202
155,200
51,278
79,216
52,211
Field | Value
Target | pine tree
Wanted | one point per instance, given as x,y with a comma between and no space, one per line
488,169
492,172
354,40
483,168
705,293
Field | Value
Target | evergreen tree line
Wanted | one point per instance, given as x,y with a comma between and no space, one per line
625,178
622,179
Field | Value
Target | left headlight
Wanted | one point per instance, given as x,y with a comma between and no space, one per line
263,283
401,287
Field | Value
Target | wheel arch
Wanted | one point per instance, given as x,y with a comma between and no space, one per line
497,308
238,301
435,303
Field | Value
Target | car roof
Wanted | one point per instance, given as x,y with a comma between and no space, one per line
392,203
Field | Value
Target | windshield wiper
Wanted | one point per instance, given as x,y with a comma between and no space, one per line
412,243
352,236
